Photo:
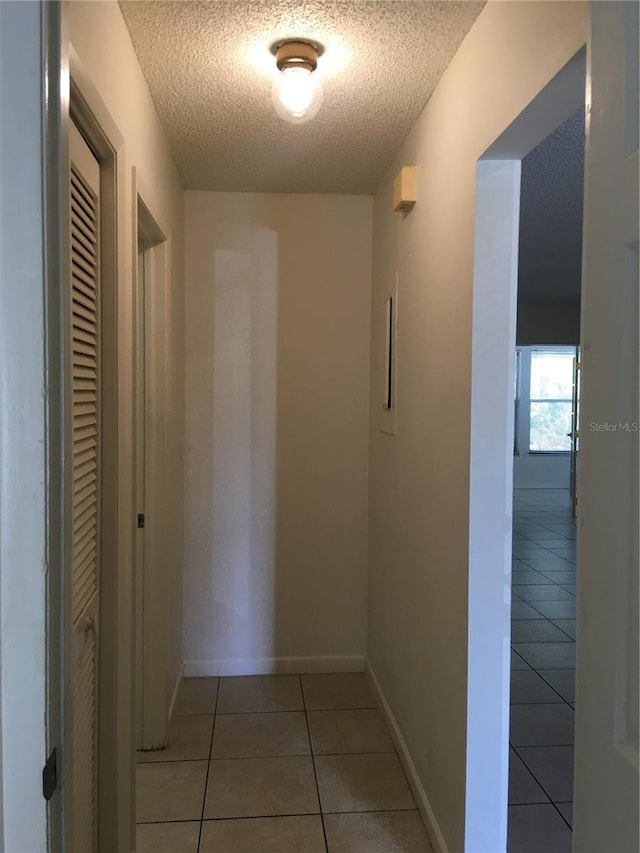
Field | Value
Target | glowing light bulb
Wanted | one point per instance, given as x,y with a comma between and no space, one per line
297,93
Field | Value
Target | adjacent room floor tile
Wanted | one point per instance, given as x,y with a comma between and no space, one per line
549,564
527,687
547,655
196,696
523,788
167,837
547,536
170,791
563,682
254,693
557,609
566,810
189,738
539,631
551,592
566,625
376,832
260,735
299,834
565,552
517,662
348,731
260,787
523,610
561,576
528,576
537,829
553,768
541,725
337,691
358,783
522,551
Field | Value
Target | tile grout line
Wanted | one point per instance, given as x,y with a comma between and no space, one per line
253,713
544,790
206,781
563,700
313,763
240,818
568,669
288,754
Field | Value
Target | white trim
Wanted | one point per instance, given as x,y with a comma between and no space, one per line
174,694
422,800
25,490
495,276
152,699
270,666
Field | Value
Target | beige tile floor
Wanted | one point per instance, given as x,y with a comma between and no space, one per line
276,764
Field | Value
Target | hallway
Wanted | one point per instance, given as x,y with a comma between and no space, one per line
277,764
543,623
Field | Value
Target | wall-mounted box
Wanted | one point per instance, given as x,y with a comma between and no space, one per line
404,189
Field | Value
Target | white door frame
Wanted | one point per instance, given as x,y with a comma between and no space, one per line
26,34
152,677
491,453
57,171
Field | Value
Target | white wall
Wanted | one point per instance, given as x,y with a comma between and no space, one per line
23,433
541,471
548,324
277,377
419,496
99,36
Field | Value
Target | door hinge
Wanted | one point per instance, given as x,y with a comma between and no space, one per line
50,776
140,519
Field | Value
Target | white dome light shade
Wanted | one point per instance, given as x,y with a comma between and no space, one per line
297,95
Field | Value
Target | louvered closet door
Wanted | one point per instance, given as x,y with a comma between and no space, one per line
85,426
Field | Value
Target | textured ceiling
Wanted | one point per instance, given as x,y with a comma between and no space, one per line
210,72
551,196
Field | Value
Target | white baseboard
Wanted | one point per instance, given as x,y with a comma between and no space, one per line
176,687
271,666
424,806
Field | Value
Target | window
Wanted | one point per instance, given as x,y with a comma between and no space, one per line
551,396
543,399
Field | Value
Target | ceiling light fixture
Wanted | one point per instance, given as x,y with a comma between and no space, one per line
297,93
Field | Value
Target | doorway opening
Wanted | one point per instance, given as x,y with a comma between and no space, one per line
543,578
152,691
492,439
